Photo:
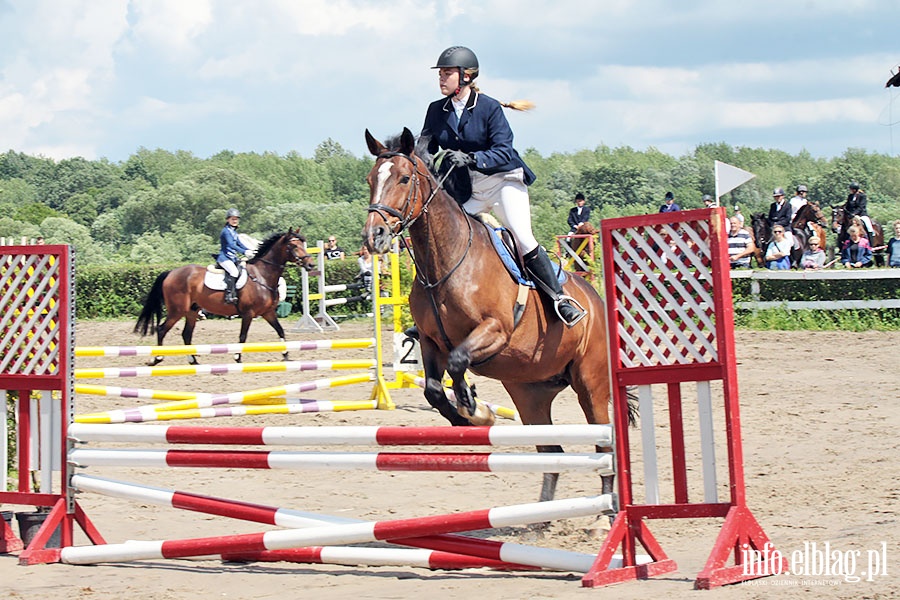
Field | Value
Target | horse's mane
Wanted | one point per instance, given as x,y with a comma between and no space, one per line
265,246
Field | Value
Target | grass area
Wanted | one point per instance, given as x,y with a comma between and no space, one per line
819,320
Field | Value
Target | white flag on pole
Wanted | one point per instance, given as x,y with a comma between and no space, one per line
729,177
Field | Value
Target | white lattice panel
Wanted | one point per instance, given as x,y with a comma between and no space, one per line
29,314
663,281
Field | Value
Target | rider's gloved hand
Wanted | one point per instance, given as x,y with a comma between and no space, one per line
458,158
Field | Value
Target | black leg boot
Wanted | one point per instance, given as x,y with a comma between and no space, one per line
230,292
544,274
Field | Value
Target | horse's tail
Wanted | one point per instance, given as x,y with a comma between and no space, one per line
151,314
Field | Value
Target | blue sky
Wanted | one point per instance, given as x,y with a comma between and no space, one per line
102,78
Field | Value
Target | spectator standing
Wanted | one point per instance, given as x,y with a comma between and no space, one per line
892,254
778,252
856,252
739,214
857,206
332,250
813,257
798,201
670,205
708,201
740,245
578,214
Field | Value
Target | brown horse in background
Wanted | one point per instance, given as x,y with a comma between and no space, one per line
759,228
809,221
183,293
841,222
462,303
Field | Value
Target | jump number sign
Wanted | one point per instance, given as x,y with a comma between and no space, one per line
407,353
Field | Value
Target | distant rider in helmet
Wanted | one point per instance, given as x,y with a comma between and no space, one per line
473,129
230,247
856,206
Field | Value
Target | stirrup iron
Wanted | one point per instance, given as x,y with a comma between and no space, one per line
563,298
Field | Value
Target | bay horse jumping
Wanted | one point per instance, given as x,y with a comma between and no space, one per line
183,293
841,222
462,303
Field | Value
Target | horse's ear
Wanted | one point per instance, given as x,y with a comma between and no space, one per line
375,147
407,141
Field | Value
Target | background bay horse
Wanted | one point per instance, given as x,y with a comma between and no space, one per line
809,221
462,303
183,292
841,221
759,227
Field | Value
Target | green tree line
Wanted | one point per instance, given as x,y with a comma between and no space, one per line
161,207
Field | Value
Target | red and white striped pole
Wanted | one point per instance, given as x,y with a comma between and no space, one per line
490,553
353,533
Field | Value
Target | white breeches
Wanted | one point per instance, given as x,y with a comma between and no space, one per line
229,266
506,195
867,222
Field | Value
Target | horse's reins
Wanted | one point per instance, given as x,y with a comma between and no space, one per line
296,259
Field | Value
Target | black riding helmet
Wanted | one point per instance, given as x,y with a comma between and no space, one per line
462,58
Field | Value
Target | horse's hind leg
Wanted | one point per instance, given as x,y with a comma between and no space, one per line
162,330
272,319
592,386
246,320
533,402
190,321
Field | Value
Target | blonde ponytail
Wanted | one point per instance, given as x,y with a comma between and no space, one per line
522,105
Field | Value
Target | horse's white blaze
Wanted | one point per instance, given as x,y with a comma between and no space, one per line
384,173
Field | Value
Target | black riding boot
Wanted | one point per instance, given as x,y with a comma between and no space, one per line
541,269
230,291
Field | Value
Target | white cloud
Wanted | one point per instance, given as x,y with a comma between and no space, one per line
171,26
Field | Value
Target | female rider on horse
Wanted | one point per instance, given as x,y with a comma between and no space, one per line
856,206
473,129
230,246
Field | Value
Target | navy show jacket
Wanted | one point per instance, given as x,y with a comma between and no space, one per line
482,131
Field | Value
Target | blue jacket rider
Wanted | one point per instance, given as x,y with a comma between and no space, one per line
230,245
473,129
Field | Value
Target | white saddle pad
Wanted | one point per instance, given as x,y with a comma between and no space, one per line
214,278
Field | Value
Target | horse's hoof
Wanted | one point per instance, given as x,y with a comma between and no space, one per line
482,415
237,358
284,357
156,360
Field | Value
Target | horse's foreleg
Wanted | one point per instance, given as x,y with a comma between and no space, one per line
482,343
272,319
434,387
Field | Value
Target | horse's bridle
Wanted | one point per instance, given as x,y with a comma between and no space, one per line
297,260
406,218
